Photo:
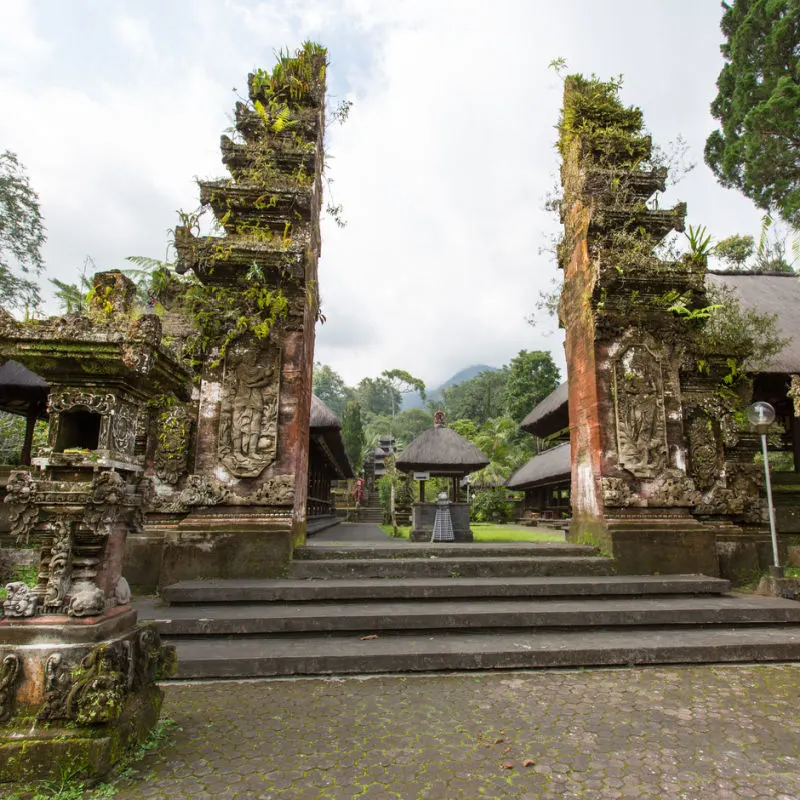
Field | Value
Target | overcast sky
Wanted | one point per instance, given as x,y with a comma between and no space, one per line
114,106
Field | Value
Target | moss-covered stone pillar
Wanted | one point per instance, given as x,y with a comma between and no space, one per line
251,446
628,319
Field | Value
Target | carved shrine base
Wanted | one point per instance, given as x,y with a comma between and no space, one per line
76,694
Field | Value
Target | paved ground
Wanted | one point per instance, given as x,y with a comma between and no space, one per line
695,733
354,533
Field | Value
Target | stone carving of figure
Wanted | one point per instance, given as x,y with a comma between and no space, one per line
249,417
248,403
640,418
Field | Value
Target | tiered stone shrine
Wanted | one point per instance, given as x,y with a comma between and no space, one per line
74,659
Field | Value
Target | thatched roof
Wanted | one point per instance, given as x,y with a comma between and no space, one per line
321,416
551,466
441,451
22,390
550,415
769,293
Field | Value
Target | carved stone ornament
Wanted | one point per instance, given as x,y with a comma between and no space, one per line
675,489
617,493
737,494
122,592
278,491
248,431
87,600
60,567
57,683
639,407
20,600
108,492
100,686
172,447
58,402
10,673
22,511
704,456
794,393
123,429
201,490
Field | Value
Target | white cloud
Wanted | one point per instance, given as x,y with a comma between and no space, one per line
442,168
21,47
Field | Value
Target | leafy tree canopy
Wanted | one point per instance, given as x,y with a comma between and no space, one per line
22,236
407,425
757,149
532,375
330,387
378,396
353,434
403,382
481,398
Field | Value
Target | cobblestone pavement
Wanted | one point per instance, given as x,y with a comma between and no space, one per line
700,733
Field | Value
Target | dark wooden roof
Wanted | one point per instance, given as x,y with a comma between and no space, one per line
770,293
441,451
551,466
22,390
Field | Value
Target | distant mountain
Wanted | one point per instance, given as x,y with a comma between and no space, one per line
413,400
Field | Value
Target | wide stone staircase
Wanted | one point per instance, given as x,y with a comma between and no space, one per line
395,608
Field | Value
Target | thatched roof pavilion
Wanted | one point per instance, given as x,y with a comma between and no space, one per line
441,451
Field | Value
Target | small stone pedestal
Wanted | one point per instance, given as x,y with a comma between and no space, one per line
424,515
76,694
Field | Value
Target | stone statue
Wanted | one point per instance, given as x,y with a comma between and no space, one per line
249,416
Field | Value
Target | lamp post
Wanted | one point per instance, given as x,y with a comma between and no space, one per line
761,415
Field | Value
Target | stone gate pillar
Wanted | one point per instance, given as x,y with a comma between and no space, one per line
626,334
250,459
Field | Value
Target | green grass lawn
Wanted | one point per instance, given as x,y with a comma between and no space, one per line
487,532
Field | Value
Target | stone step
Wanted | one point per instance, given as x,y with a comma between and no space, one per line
250,657
477,550
451,567
438,615
299,591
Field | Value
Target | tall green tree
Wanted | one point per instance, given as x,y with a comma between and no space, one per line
481,398
377,395
353,434
532,375
407,425
757,148
22,236
330,387
403,382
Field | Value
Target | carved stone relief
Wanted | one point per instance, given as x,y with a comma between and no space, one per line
22,511
172,444
66,400
248,432
704,455
10,673
639,407
60,567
